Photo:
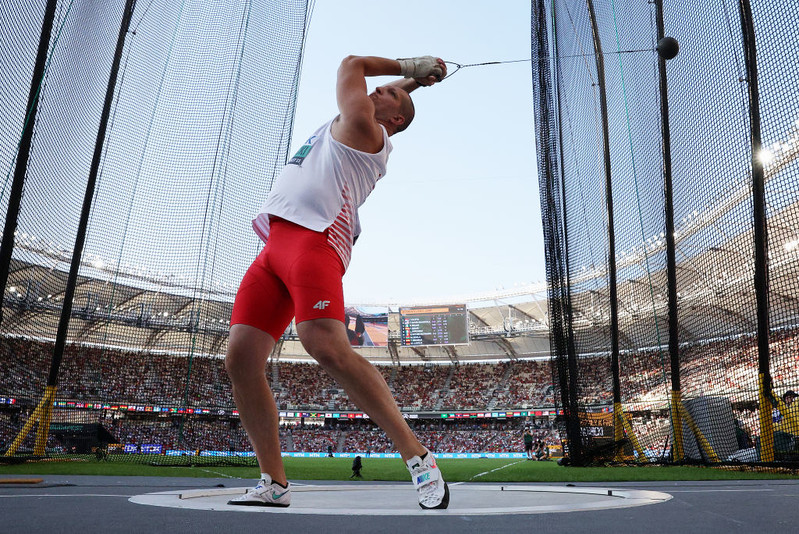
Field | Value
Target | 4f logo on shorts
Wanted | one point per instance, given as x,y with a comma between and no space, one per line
321,305
303,152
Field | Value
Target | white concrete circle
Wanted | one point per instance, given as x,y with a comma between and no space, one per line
385,499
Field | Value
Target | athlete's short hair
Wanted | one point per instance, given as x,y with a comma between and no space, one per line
408,111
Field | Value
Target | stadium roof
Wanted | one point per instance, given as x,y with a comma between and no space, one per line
142,313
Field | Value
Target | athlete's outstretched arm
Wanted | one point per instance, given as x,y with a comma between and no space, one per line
356,125
351,96
354,70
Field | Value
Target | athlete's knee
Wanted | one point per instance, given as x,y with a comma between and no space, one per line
236,365
246,353
328,355
323,340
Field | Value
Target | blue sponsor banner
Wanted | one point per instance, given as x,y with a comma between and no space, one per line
472,455
151,448
173,452
452,455
309,454
340,454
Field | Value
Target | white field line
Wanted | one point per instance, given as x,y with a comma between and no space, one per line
497,469
220,474
30,495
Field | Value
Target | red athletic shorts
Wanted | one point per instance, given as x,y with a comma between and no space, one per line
297,273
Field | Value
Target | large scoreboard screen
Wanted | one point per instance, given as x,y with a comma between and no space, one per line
434,325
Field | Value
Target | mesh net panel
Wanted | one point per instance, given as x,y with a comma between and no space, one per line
713,219
20,26
778,57
199,124
718,403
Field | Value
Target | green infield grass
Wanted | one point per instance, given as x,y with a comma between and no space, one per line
455,470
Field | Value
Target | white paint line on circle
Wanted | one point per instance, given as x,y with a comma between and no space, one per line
384,500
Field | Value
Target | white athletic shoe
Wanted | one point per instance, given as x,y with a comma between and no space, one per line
266,493
433,491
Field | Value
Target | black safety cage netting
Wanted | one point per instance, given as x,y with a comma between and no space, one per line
157,127
671,350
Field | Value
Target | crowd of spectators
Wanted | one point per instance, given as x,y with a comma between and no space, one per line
195,433
187,433
528,386
417,387
311,439
367,441
470,386
95,374
100,374
303,384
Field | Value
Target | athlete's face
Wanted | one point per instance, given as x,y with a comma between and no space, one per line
389,102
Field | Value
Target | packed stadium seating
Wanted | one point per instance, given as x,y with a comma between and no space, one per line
106,375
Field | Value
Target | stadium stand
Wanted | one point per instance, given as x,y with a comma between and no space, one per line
113,376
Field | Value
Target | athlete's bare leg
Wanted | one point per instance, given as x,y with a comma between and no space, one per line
248,350
326,340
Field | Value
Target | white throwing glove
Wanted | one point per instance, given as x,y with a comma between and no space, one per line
420,67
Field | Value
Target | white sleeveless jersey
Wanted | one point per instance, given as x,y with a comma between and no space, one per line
322,187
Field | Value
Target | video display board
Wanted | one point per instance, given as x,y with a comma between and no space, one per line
434,325
366,327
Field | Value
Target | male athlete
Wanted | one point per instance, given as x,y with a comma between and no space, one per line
309,223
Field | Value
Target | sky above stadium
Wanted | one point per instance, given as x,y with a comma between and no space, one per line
456,217
458,212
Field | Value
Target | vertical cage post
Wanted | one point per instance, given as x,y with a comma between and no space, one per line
612,285
761,281
671,248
